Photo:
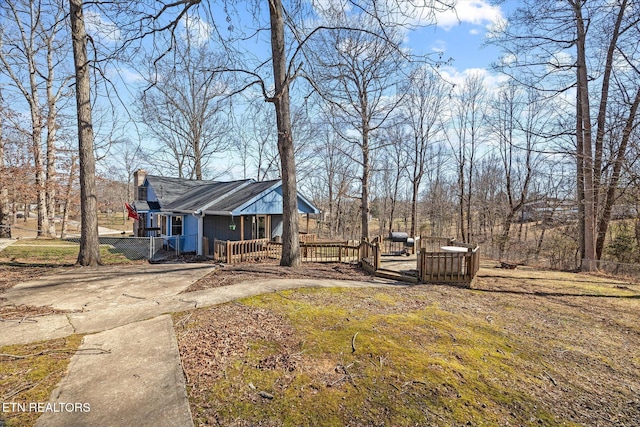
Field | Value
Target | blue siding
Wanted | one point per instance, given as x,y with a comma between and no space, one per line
151,195
271,204
188,238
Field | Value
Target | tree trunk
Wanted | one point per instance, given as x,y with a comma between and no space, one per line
584,122
461,199
414,207
51,165
40,178
602,110
65,212
89,244
5,223
615,176
365,183
290,243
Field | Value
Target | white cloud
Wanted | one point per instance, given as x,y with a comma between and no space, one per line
196,29
129,76
475,12
99,28
560,60
491,81
508,59
439,46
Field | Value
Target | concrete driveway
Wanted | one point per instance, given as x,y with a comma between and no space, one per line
97,299
128,369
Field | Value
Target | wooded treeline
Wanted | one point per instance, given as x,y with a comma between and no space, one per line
369,130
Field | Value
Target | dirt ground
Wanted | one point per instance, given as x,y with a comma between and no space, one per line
251,272
11,275
576,338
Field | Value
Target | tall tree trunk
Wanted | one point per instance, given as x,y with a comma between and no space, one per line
414,207
36,142
40,175
89,244
52,113
587,152
580,174
65,212
615,176
602,110
281,102
5,223
366,172
51,162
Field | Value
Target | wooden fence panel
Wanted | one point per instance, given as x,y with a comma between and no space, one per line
329,252
370,256
448,267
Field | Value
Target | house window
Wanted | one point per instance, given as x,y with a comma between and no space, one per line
162,221
262,227
176,225
142,193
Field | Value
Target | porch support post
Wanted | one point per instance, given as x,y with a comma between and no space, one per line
200,233
267,232
307,223
241,227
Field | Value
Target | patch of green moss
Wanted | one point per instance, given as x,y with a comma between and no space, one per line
33,378
423,366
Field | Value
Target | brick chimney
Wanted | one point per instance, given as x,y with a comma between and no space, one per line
138,180
138,177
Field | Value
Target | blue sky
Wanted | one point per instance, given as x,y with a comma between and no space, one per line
461,35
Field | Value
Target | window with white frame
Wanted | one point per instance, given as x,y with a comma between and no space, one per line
176,225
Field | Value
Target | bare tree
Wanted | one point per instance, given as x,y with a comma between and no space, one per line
89,254
518,117
392,165
184,108
425,105
67,195
468,125
290,29
356,75
30,53
255,141
5,223
584,46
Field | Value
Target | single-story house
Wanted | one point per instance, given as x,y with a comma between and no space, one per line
184,211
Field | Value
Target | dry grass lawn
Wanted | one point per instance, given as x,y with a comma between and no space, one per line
524,347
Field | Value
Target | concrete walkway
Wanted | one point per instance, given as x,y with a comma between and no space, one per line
6,242
128,371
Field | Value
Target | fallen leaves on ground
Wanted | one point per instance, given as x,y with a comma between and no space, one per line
521,348
248,272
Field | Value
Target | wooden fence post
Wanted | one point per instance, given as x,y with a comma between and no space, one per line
228,252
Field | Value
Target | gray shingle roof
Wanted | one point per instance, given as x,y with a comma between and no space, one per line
211,196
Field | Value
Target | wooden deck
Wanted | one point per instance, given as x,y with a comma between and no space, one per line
439,266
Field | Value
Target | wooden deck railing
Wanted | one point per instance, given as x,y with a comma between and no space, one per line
433,244
448,267
231,252
370,256
435,266
329,252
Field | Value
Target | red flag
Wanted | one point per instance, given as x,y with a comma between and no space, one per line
132,211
